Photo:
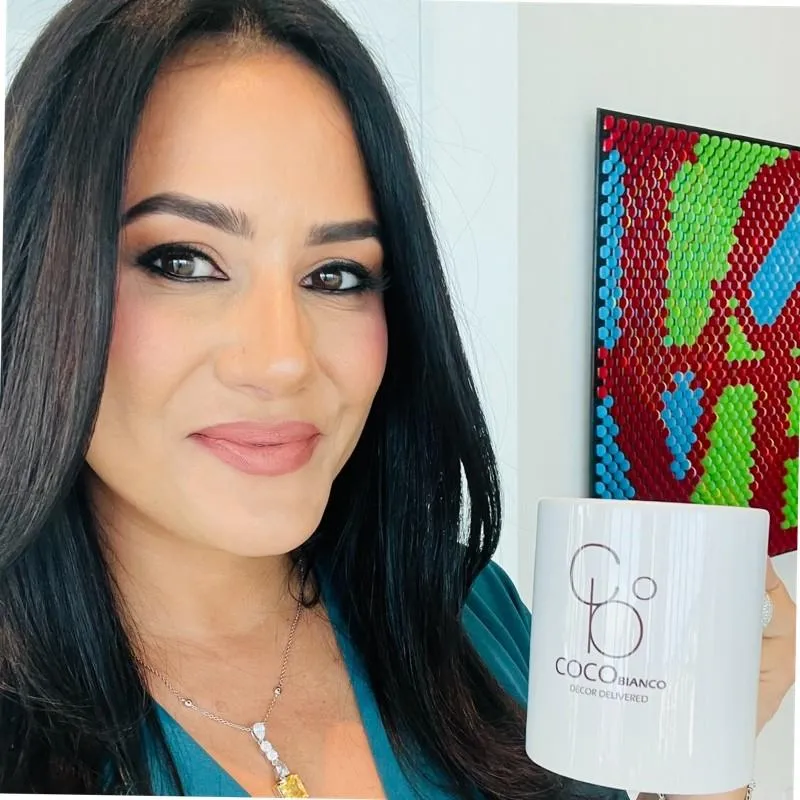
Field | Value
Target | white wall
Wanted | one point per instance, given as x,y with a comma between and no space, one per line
24,20
726,68
469,146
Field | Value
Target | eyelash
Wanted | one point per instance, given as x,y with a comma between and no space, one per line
368,282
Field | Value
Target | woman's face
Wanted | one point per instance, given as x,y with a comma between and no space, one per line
250,336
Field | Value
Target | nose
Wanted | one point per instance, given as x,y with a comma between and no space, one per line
268,348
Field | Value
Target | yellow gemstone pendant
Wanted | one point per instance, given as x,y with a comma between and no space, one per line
291,786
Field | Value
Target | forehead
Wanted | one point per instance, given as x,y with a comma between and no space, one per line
259,131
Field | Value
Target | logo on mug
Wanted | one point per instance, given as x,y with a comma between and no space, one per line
605,611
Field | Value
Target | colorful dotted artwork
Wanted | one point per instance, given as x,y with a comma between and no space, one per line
696,391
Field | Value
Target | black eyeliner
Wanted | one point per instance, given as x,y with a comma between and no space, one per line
145,261
370,283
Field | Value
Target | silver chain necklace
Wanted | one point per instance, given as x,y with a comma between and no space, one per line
289,784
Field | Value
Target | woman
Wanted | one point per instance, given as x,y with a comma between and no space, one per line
236,557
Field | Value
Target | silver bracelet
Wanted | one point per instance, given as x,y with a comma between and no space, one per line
749,796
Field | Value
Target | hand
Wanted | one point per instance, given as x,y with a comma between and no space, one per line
777,650
777,666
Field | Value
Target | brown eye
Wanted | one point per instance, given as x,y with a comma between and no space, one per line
338,278
330,280
185,266
180,263
179,266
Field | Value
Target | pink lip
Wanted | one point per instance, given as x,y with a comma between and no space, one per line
260,449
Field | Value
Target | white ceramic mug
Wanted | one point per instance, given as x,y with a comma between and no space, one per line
646,643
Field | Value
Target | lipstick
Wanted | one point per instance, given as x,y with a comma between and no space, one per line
257,448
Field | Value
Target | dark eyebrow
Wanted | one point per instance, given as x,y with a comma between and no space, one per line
237,223
333,232
205,212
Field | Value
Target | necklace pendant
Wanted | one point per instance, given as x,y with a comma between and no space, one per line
291,786
289,783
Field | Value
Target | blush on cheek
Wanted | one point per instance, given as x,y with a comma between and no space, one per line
123,333
351,348
149,346
375,343
365,359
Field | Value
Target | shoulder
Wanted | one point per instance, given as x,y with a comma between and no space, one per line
499,626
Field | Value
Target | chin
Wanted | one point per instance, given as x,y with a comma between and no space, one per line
270,535
245,547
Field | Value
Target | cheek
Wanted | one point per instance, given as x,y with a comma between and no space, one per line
354,352
147,354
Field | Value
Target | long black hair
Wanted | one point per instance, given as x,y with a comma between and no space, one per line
413,517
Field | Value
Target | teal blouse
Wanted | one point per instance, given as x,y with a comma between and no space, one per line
498,624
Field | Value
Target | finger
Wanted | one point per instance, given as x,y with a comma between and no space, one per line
776,657
773,582
784,617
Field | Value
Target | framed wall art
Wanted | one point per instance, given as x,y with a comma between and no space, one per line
696,331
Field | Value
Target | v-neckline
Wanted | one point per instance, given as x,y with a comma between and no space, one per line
184,747
386,763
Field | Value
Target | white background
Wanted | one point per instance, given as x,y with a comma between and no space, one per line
500,103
